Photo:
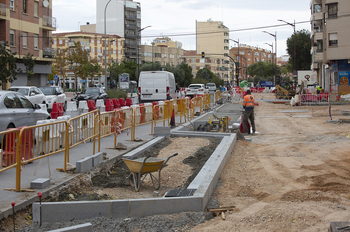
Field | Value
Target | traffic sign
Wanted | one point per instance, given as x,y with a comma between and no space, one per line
55,78
295,72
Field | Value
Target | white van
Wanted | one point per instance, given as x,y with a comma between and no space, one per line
156,86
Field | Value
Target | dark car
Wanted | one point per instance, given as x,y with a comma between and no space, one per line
92,93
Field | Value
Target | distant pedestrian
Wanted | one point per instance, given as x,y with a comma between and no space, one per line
248,105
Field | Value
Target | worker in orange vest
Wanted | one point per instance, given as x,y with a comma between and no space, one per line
248,105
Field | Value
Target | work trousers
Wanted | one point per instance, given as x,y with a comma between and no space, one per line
248,114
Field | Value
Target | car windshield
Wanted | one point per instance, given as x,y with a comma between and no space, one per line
48,91
210,84
92,91
23,91
195,86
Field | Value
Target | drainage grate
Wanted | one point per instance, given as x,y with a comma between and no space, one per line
180,193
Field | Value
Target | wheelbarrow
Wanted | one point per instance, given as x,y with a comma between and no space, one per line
144,166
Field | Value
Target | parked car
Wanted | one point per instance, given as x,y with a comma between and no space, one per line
196,89
33,93
54,94
92,93
17,111
211,86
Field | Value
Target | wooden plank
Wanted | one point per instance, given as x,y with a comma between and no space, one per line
339,226
221,209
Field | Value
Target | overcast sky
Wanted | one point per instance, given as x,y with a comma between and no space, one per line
178,17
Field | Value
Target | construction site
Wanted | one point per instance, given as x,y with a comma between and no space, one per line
291,175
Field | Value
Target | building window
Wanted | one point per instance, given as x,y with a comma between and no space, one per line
333,39
98,41
25,36
317,8
12,4
319,46
12,37
256,53
25,6
332,10
60,41
36,41
119,52
36,9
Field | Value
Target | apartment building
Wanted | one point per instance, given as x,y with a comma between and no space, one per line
123,18
163,50
249,55
212,38
27,25
95,44
221,67
330,43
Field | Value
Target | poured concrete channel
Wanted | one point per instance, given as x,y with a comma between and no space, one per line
204,183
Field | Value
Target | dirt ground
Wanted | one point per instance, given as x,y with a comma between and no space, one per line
293,176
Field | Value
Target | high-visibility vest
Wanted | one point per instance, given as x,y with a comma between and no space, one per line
248,100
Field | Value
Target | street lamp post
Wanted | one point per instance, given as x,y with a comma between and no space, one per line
274,35
137,46
238,69
293,25
271,45
105,43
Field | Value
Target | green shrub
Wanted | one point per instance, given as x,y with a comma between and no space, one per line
116,93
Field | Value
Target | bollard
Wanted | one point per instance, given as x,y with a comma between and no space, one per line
40,196
13,214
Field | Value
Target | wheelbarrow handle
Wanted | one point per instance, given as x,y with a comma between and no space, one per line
143,163
169,158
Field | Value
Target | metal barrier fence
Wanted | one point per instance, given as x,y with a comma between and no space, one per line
311,99
82,128
27,144
9,148
339,98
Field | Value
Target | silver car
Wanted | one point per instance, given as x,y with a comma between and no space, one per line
54,94
17,111
33,93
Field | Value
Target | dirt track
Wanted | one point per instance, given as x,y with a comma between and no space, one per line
293,176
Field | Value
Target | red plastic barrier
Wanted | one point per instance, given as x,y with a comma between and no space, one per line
122,102
116,103
156,110
260,90
60,109
128,102
55,111
9,154
109,105
91,105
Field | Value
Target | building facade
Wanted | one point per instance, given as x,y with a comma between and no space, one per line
249,55
212,38
123,18
163,51
330,43
27,27
220,67
95,44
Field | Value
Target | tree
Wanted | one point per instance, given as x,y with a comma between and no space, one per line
186,80
205,74
77,57
60,64
129,67
8,67
261,69
92,69
303,47
29,63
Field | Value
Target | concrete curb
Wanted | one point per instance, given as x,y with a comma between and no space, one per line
205,182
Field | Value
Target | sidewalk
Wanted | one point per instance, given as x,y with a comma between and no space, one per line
43,167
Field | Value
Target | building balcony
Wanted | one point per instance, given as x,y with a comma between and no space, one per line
130,54
2,10
315,66
130,26
49,22
130,17
317,57
49,52
132,36
317,16
128,44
